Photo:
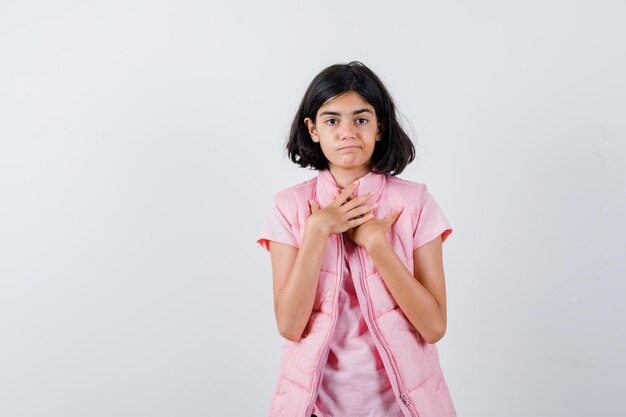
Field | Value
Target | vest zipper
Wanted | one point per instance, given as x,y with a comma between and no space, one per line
324,356
370,315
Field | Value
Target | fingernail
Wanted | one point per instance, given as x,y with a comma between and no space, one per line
356,182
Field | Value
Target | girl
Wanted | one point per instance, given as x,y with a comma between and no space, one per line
359,291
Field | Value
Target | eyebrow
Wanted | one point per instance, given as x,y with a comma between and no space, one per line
334,113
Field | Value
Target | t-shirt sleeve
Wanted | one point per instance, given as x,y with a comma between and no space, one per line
431,222
276,228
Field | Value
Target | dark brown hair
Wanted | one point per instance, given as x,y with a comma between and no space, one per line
391,154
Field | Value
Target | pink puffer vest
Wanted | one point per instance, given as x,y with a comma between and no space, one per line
411,364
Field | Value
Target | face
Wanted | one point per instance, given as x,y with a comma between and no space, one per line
347,130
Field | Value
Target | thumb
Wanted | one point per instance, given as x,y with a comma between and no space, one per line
393,215
314,206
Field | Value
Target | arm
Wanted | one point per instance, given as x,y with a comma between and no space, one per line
296,271
295,276
421,295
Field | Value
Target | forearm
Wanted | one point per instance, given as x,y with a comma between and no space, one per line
417,304
297,295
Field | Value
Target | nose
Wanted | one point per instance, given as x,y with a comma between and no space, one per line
347,131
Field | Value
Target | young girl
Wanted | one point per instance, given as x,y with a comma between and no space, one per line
359,291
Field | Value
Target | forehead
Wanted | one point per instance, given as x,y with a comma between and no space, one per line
349,100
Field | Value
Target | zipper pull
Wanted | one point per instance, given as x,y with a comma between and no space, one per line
404,399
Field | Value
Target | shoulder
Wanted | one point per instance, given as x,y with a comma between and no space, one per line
412,193
294,199
405,185
302,189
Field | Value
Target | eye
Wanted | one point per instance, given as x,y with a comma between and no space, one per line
331,120
362,118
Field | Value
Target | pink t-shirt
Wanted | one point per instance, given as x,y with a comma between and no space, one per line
354,381
360,386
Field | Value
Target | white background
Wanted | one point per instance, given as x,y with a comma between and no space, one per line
141,142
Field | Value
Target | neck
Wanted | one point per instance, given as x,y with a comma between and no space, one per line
345,176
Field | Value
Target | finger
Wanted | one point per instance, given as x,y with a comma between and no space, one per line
350,197
355,202
313,205
343,196
360,220
393,216
361,210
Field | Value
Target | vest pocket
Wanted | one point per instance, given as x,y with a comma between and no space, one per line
432,398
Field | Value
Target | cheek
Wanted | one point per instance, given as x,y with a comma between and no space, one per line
325,149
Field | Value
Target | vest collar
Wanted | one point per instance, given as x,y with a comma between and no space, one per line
326,187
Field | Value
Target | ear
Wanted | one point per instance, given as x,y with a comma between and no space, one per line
379,133
312,130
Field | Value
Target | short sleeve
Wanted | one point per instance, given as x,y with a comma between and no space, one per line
431,222
276,228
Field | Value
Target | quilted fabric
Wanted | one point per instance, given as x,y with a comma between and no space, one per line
411,363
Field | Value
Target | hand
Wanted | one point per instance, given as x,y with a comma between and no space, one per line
341,214
373,230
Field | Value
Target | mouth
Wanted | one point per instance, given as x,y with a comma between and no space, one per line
348,148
